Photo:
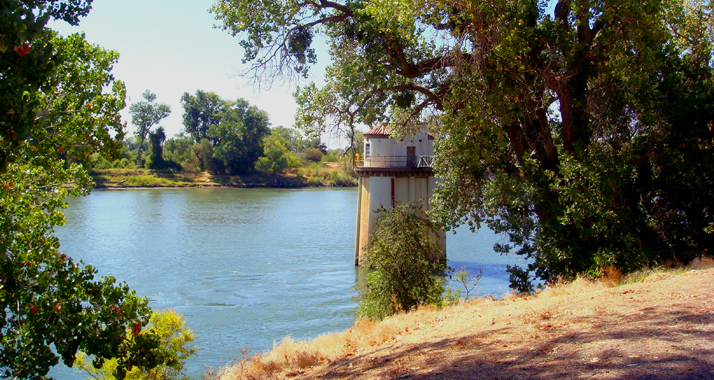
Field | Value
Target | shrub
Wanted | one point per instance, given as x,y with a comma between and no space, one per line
331,156
176,345
313,154
313,181
404,254
99,162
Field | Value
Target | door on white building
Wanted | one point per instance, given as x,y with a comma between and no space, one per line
411,156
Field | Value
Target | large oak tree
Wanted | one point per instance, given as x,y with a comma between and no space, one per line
580,129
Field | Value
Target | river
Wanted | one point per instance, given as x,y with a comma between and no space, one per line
246,267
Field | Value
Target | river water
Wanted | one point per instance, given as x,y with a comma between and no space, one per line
246,267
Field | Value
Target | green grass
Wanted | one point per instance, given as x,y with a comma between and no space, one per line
316,175
151,181
642,274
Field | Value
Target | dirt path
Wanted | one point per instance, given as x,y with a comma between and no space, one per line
661,328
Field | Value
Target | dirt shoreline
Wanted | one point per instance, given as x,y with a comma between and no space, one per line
660,328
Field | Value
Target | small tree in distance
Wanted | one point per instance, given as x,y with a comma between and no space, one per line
156,151
404,254
145,115
467,280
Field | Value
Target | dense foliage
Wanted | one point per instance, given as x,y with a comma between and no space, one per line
156,152
404,253
201,111
277,156
58,100
175,346
234,130
27,64
583,131
238,138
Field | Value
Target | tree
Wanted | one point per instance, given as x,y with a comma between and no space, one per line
292,136
178,149
201,111
238,138
404,253
145,115
27,63
277,156
203,151
315,143
156,153
580,130
51,306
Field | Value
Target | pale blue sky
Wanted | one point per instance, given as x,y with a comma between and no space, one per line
170,47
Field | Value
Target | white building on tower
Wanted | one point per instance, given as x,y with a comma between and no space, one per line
393,171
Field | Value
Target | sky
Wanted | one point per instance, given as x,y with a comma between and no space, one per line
171,47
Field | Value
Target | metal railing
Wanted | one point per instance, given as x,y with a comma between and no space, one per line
425,161
396,162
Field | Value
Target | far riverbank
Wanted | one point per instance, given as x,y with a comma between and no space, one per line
146,178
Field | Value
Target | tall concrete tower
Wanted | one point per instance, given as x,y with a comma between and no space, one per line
393,171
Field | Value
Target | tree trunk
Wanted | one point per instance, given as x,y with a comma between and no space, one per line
138,152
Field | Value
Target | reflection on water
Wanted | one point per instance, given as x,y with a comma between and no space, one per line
246,267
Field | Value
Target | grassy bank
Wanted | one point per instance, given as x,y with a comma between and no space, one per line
654,324
135,178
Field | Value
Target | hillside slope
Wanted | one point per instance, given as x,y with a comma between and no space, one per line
659,328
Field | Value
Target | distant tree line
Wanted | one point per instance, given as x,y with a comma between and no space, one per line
219,135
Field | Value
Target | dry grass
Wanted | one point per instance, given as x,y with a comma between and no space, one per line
701,263
291,356
611,277
483,324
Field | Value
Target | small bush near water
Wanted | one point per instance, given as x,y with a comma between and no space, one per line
406,260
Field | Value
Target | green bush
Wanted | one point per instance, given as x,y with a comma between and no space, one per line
99,162
313,154
176,345
404,254
331,156
313,181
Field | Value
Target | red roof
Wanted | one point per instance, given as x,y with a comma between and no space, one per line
382,131
379,131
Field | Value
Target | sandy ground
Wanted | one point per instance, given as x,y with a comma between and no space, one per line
661,328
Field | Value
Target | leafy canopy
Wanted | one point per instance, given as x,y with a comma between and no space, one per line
201,111
27,64
276,157
238,137
582,131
